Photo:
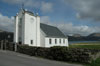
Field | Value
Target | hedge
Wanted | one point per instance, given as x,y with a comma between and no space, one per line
60,53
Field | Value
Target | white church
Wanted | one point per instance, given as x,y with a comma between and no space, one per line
29,31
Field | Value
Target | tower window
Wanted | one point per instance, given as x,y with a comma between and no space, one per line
31,41
20,21
50,41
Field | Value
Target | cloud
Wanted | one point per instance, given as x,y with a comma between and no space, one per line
46,7
6,23
45,19
69,28
87,9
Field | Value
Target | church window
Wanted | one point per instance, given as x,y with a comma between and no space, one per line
60,41
50,41
63,40
20,22
31,41
55,41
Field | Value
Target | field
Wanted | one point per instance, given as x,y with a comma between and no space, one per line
90,45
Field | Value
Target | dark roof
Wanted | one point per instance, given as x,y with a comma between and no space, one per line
51,31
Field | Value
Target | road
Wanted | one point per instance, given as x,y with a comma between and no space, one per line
9,58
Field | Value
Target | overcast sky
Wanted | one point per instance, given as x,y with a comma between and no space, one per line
70,16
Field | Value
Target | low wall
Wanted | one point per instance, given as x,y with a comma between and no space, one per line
61,53
55,53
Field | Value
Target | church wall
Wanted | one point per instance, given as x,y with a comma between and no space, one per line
16,30
17,34
47,43
38,31
42,38
30,30
23,30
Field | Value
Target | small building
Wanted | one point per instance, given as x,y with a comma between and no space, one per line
29,31
8,36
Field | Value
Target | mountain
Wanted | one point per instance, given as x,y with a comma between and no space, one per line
76,35
94,35
1,31
91,37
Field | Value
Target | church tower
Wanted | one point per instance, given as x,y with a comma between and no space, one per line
27,28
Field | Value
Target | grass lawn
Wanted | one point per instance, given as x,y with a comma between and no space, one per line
86,46
90,45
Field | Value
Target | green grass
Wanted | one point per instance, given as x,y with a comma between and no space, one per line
98,42
95,63
85,46
90,45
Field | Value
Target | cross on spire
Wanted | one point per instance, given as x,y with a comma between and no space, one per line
22,5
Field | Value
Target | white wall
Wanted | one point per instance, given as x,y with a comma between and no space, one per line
47,44
16,30
42,38
38,30
32,30
29,30
16,26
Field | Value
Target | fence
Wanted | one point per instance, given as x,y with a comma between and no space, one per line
5,45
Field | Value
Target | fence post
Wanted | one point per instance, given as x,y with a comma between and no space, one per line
5,44
2,45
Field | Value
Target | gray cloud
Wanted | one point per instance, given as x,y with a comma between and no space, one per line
69,28
86,8
6,23
46,7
